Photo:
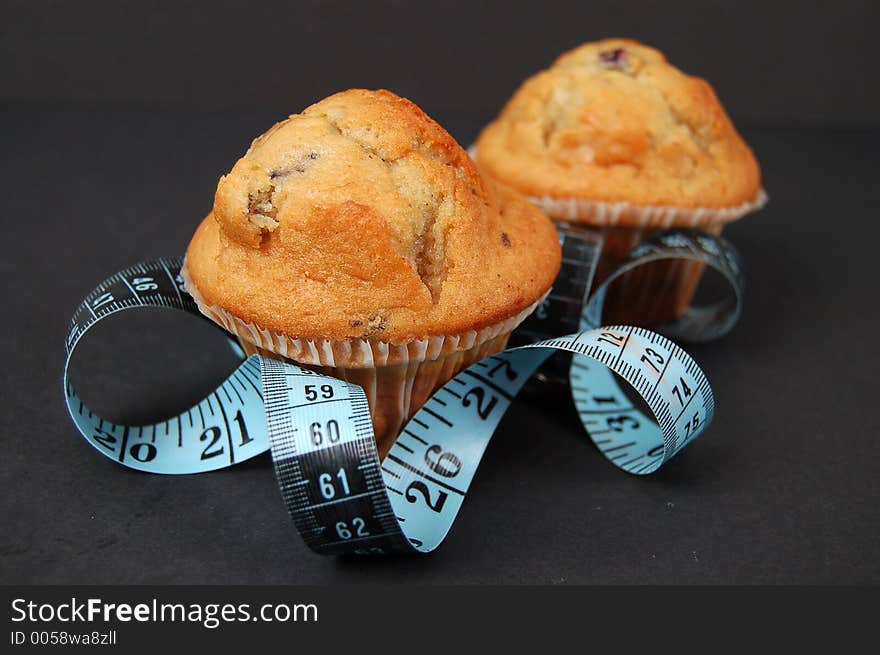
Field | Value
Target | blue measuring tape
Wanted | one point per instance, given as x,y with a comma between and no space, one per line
341,497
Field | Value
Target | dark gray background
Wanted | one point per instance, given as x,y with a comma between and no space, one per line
779,62
117,119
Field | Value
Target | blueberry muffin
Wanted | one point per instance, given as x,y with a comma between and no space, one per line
358,238
614,137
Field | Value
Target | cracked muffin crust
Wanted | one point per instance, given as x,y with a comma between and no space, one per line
357,238
613,121
362,218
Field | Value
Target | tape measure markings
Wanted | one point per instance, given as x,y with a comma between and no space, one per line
338,494
559,312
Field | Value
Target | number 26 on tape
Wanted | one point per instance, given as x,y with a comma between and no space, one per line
442,463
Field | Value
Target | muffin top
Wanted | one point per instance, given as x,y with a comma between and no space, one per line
614,121
362,217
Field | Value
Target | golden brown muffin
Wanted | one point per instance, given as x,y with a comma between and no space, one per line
612,135
614,121
359,237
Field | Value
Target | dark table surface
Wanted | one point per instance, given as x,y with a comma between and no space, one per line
783,488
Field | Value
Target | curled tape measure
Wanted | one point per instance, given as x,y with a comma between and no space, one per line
340,496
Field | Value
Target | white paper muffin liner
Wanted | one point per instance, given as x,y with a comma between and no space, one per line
356,352
657,292
625,214
397,378
654,293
